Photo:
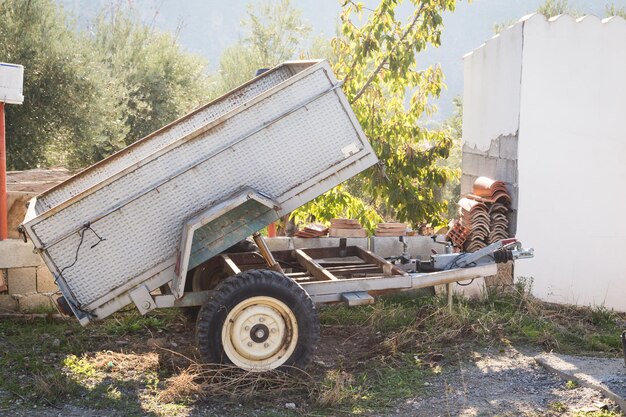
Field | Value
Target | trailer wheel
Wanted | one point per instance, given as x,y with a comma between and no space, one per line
258,320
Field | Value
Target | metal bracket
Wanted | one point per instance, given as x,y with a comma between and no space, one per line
357,298
142,299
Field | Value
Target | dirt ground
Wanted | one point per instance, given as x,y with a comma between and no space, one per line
484,381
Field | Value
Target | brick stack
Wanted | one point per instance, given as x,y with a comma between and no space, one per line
484,212
313,230
346,228
390,229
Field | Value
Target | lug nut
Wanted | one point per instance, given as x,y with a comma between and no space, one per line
250,344
273,330
266,344
261,319
247,328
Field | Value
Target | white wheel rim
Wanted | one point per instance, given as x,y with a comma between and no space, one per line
260,333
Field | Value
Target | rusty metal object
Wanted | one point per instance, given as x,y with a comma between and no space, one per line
266,253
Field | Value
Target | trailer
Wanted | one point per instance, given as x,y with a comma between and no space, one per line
149,225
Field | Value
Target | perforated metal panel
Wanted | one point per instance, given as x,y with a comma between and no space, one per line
286,145
163,137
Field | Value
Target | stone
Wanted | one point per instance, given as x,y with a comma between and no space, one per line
22,280
17,203
155,343
45,280
17,254
56,343
121,343
8,303
34,303
290,406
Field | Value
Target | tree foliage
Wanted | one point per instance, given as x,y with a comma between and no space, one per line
553,8
275,32
90,93
612,10
338,203
389,94
62,86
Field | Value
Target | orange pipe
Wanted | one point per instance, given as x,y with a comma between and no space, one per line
271,230
4,225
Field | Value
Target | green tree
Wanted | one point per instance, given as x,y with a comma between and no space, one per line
156,81
90,93
378,62
451,192
63,85
276,32
553,8
613,10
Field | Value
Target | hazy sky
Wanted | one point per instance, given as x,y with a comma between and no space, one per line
207,27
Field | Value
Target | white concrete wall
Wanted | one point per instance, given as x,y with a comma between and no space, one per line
571,155
572,159
491,96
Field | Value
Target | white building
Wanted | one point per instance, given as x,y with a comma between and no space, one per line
545,111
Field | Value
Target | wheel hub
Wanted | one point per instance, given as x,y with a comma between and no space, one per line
259,333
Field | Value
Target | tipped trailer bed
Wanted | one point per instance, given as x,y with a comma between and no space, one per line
148,225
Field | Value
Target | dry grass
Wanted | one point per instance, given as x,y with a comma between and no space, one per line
229,382
336,389
125,366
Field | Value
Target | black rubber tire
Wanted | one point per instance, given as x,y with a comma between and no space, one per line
254,283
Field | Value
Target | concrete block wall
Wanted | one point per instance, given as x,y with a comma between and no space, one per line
29,284
417,246
498,162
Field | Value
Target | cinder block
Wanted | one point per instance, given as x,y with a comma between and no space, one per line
494,149
7,303
325,242
487,168
508,147
45,280
506,170
22,280
279,243
470,163
504,277
417,246
512,222
467,183
3,280
467,148
17,254
34,303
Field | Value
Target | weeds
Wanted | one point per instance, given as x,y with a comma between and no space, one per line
571,384
47,362
425,324
227,381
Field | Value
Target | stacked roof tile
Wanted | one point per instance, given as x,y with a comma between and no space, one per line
346,228
484,213
313,230
390,229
